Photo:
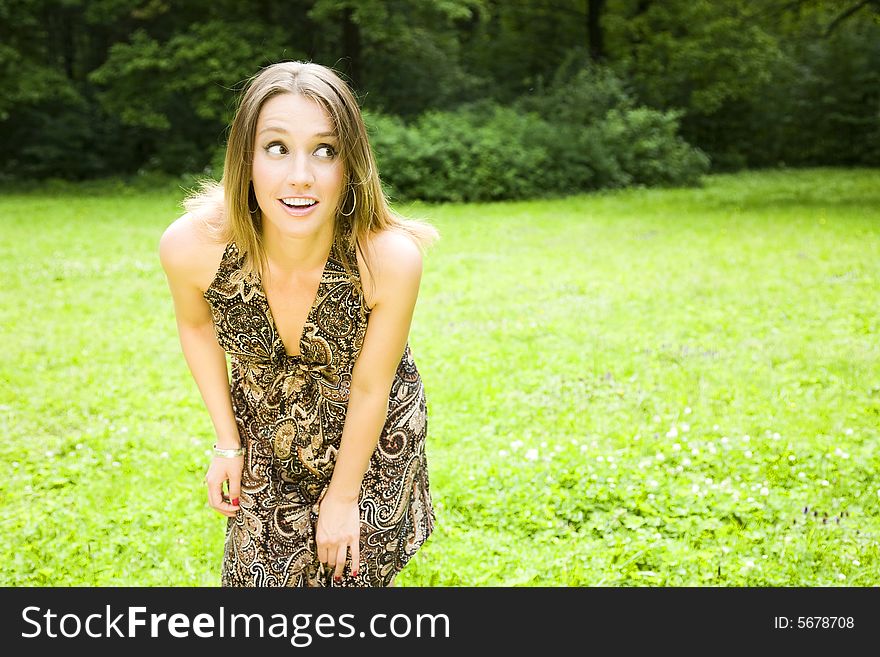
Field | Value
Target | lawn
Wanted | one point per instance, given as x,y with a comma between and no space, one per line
650,387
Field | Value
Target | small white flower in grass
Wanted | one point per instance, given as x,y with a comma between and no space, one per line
116,464
856,562
776,436
687,410
748,453
695,488
878,492
532,454
50,454
584,448
679,469
841,576
657,418
613,466
712,449
600,458
765,491
79,445
659,456
685,427
544,444
503,453
610,459
651,483
676,447
749,564
848,432
695,451
516,444
824,482
163,455
685,461
791,457
672,433
15,464
723,440
746,438
802,475
715,427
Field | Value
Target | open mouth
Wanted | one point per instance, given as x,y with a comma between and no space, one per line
299,203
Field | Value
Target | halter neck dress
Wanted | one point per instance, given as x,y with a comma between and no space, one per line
290,412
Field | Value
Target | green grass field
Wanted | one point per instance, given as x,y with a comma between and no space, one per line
639,388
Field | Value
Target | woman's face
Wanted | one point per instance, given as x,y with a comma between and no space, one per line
297,173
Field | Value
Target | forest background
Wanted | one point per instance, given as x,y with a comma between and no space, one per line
466,99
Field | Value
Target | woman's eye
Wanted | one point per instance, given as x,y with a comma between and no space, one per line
325,151
275,149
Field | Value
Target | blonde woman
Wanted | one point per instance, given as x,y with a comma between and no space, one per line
295,267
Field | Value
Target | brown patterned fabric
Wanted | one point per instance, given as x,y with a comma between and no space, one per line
290,412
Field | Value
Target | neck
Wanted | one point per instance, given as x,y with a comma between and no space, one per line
289,256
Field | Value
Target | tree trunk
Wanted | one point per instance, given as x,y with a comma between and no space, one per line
594,29
351,46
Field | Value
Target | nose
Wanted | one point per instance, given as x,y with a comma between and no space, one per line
300,173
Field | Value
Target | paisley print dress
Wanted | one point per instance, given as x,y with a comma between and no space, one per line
290,412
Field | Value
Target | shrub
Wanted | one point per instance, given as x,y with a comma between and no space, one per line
487,152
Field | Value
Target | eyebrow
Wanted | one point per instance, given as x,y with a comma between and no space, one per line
277,128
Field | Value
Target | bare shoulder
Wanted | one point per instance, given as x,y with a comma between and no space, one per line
395,251
189,253
395,263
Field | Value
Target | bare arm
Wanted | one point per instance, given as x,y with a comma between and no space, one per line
182,254
397,282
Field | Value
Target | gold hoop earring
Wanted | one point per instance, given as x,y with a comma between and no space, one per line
353,204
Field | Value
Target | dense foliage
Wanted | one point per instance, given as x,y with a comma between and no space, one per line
635,91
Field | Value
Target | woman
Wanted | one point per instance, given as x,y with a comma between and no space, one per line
295,267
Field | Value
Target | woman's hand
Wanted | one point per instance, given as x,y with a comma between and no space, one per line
224,470
338,530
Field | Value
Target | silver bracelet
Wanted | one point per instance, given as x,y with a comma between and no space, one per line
228,453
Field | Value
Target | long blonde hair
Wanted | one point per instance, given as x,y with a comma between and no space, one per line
229,208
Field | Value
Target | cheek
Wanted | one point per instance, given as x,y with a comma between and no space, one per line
262,175
333,180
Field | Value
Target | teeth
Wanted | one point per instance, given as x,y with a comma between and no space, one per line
298,202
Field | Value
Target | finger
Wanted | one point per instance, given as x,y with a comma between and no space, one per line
331,559
215,499
341,551
234,488
355,557
322,555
